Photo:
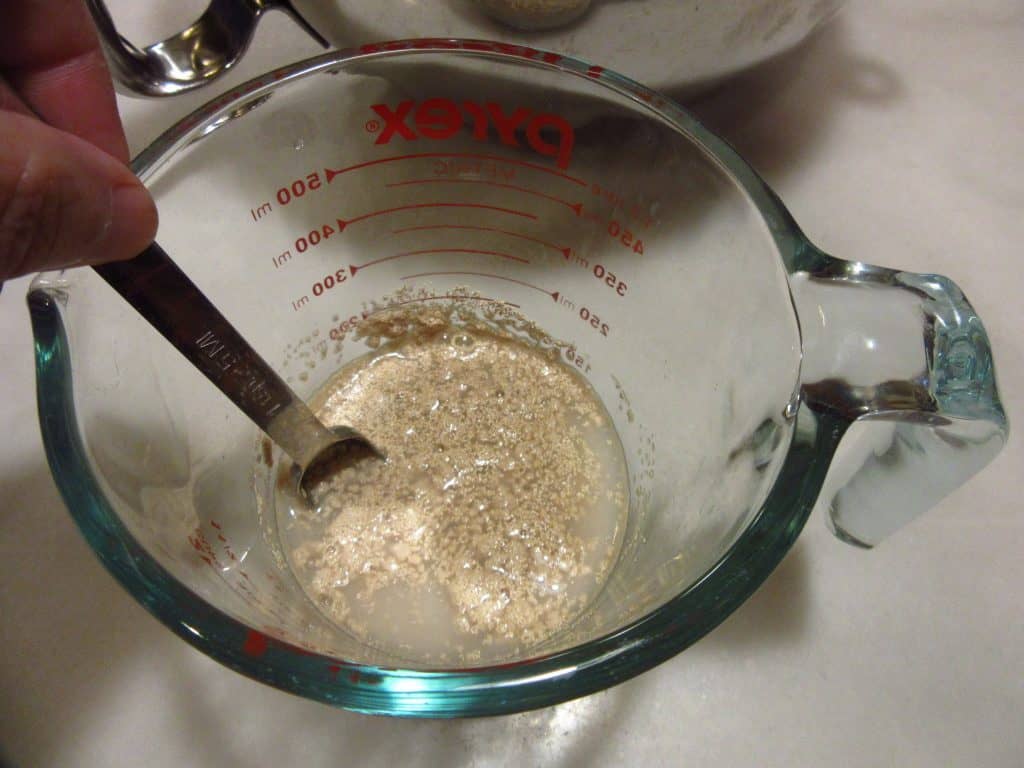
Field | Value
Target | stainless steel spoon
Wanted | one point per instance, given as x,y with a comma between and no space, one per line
164,295
194,56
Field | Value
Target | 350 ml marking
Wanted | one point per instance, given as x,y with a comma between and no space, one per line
599,271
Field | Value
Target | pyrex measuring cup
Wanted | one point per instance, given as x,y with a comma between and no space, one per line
748,374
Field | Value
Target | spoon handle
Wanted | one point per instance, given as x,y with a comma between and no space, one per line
174,305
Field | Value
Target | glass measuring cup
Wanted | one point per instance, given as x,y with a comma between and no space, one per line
749,375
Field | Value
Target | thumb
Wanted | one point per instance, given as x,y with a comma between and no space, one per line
64,202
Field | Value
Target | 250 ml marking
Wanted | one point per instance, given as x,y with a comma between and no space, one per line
594,321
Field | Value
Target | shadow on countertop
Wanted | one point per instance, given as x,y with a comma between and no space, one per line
778,114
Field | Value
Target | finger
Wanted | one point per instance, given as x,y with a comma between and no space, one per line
64,202
50,55
11,101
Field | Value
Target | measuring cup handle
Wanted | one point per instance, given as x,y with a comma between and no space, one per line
899,365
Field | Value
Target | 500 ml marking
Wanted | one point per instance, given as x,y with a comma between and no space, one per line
299,187
287,193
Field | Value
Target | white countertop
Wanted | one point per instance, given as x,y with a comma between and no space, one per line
896,136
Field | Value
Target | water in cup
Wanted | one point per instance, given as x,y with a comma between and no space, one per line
499,510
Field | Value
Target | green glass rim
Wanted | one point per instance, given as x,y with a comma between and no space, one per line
502,689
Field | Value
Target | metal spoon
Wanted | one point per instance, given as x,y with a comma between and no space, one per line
194,56
164,295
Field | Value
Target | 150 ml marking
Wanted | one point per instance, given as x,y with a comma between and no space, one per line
577,359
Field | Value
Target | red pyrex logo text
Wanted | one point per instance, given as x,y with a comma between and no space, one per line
546,134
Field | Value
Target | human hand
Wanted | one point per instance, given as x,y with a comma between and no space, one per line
67,196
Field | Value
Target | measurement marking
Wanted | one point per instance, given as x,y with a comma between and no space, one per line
460,297
342,223
354,267
548,244
553,295
260,211
330,173
575,258
576,207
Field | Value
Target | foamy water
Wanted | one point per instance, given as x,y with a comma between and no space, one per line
496,517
